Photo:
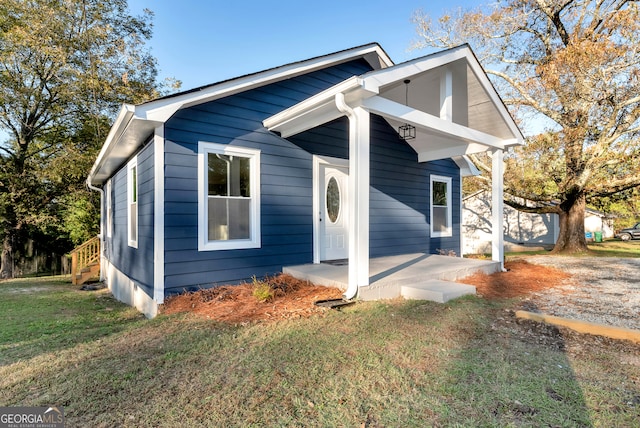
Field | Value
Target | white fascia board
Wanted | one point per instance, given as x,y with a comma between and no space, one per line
122,121
482,77
451,152
467,167
131,133
316,110
422,120
162,110
376,79
134,122
310,104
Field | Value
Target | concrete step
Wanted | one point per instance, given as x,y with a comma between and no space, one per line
436,290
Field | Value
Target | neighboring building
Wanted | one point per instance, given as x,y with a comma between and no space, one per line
520,228
298,164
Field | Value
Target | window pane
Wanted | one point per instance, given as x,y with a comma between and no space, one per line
229,219
217,178
439,219
333,200
134,184
229,175
440,193
240,176
133,221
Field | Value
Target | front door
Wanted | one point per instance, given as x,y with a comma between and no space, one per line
333,216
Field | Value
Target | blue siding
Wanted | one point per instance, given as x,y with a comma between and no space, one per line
136,263
286,181
399,184
400,198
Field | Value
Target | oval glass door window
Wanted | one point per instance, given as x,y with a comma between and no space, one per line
333,200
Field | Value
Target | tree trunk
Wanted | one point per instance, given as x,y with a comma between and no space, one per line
571,238
6,269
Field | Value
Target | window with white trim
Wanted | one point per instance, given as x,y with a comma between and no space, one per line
440,206
132,202
228,197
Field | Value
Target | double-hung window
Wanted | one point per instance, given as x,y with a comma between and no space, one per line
228,197
440,206
132,199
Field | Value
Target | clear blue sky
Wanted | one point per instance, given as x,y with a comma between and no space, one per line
205,41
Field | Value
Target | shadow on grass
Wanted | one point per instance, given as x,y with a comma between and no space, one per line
467,363
395,363
43,315
511,373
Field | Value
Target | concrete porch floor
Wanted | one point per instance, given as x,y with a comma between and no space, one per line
414,276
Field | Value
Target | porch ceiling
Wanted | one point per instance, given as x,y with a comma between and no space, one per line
478,120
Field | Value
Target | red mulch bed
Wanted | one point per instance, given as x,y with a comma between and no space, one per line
521,279
294,298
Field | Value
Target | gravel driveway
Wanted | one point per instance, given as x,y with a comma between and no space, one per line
602,290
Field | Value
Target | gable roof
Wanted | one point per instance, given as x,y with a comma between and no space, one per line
476,118
135,124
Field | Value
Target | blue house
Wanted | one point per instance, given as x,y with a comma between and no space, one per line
347,156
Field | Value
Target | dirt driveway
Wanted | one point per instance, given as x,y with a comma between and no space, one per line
601,290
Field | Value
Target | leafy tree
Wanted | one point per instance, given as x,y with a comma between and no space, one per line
65,67
572,68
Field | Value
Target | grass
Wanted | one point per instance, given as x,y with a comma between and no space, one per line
615,248
394,363
608,248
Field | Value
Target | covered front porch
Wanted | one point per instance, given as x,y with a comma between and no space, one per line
452,110
413,276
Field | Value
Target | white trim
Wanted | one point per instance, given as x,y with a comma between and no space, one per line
497,207
317,204
316,110
467,167
446,96
131,166
134,123
359,179
461,225
254,241
363,90
374,80
162,110
422,120
158,215
449,232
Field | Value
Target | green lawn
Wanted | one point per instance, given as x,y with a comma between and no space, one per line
616,248
608,248
467,363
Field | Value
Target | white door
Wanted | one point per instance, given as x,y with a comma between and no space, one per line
333,213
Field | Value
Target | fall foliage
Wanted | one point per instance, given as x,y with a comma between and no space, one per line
570,73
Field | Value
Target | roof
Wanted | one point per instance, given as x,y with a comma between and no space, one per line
135,124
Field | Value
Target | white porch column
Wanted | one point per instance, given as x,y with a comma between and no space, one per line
497,206
358,195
